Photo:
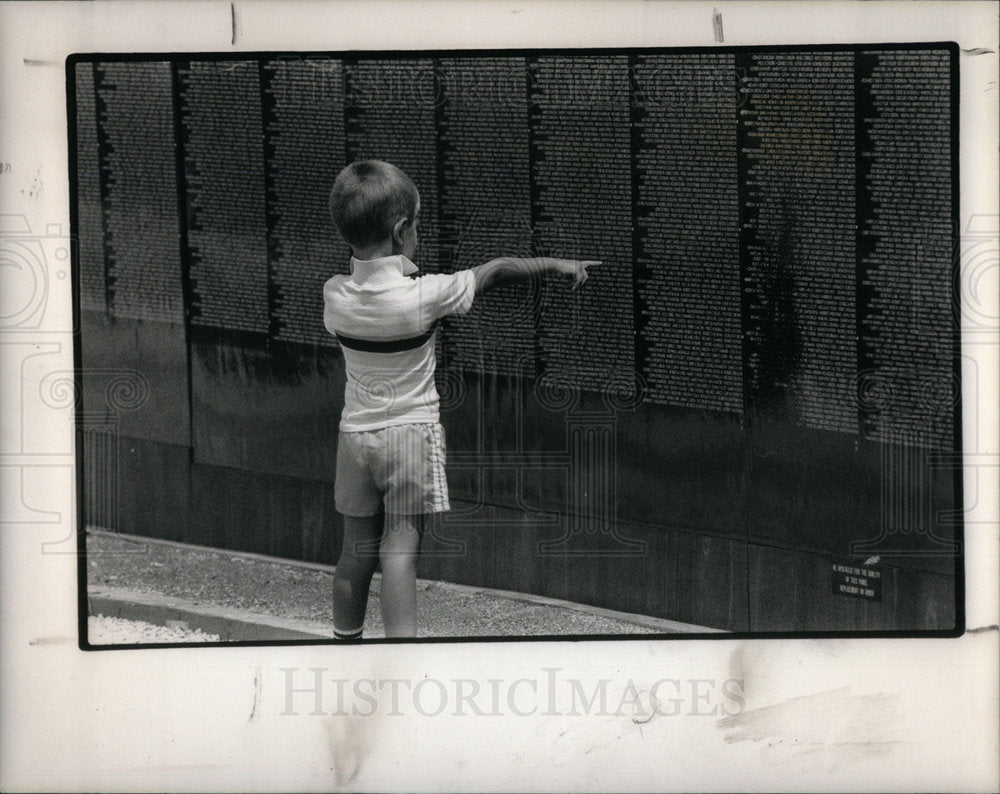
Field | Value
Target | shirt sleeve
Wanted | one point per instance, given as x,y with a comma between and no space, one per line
329,304
452,293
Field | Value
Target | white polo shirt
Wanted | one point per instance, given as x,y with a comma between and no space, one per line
385,321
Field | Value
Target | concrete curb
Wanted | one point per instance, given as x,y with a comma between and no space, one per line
236,625
232,625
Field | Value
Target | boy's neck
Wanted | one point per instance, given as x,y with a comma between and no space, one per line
376,251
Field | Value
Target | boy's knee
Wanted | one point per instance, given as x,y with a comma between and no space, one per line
398,560
354,561
397,555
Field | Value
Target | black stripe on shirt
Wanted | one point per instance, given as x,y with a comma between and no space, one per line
387,346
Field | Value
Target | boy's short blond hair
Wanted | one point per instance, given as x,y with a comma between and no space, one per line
368,198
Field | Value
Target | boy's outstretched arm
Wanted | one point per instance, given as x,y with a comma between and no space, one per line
510,269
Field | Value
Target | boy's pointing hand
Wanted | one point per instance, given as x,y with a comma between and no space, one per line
578,270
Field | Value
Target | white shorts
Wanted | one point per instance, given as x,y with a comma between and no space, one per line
398,469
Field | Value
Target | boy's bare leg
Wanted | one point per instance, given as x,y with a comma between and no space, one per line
353,575
400,546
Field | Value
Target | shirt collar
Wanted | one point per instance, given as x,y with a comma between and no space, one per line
362,269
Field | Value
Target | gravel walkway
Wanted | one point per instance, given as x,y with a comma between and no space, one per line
289,590
102,630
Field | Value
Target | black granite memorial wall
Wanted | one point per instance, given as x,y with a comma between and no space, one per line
747,417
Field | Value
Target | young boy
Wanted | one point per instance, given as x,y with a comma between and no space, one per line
390,456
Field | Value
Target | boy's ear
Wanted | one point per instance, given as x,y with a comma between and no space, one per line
397,229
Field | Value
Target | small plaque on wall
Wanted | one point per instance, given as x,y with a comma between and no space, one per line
857,581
